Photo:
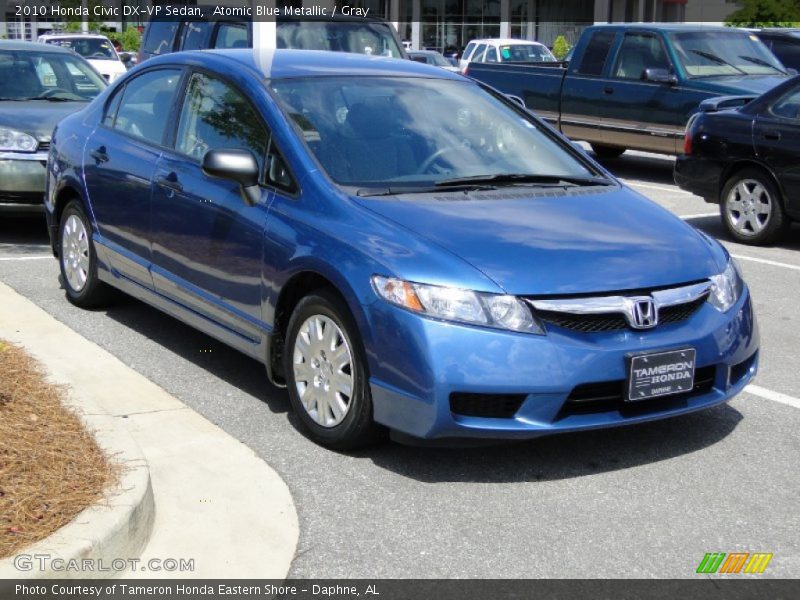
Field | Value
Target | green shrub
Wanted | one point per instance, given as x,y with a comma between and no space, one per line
561,47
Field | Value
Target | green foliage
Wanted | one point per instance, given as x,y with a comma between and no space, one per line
766,13
561,47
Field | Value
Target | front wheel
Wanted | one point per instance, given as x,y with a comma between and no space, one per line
326,373
78,259
603,151
751,208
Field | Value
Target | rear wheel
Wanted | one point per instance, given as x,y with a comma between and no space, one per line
751,208
603,151
326,373
78,259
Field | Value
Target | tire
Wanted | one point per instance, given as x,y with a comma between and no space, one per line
603,151
752,209
78,259
318,391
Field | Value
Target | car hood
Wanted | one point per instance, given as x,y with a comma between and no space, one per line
557,244
36,117
737,85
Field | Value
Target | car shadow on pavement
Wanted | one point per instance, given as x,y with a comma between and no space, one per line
212,356
23,235
563,456
648,169
712,226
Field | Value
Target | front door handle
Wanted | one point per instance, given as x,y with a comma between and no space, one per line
99,154
772,134
170,182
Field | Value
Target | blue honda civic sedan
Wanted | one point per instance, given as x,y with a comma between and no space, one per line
402,247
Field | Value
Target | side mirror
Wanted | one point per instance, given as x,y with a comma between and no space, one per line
660,76
125,57
239,166
516,100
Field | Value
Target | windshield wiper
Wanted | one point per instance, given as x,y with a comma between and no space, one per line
523,178
396,191
719,60
761,62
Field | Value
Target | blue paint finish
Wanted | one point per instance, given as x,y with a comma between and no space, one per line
200,254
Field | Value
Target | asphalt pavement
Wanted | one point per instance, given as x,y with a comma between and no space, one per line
645,501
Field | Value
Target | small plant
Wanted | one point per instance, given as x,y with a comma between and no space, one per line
561,47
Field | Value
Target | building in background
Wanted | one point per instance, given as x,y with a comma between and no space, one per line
447,25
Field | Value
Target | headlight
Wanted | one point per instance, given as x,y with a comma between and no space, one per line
726,287
463,306
16,141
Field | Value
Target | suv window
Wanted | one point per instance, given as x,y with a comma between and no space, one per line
596,53
478,55
230,35
491,54
145,106
468,50
195,35
160,36
214,116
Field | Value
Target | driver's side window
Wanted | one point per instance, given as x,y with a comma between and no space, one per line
216,116
640,51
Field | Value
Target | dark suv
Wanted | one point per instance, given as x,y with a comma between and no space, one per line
340,33
784,43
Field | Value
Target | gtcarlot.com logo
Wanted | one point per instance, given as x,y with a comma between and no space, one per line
735,562
44,562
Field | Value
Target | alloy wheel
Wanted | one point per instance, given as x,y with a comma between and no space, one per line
748,207
75,252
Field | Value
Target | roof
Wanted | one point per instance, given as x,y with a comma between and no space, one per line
284,63
73,35
674,27
507,41
17,46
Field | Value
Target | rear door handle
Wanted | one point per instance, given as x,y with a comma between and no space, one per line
170,182
99,154
772,134
608,90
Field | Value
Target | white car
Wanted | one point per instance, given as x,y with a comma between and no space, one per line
95,48
504,50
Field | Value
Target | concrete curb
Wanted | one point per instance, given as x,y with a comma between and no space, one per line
118,526
218,505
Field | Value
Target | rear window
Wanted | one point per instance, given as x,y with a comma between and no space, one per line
159,37
596,53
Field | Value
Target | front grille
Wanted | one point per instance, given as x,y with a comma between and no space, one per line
493,406
615,321
605,396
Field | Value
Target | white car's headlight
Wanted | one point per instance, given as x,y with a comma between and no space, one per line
12,140
726,287
463,306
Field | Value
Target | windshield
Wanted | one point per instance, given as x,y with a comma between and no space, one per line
47,76
716,53
341,36
389,131
526,53
94,48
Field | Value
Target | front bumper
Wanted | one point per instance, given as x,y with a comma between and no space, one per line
416,364
22,181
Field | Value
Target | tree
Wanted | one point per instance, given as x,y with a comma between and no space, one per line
561,47
766,13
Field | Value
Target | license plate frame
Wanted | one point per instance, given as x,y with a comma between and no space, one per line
642,384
